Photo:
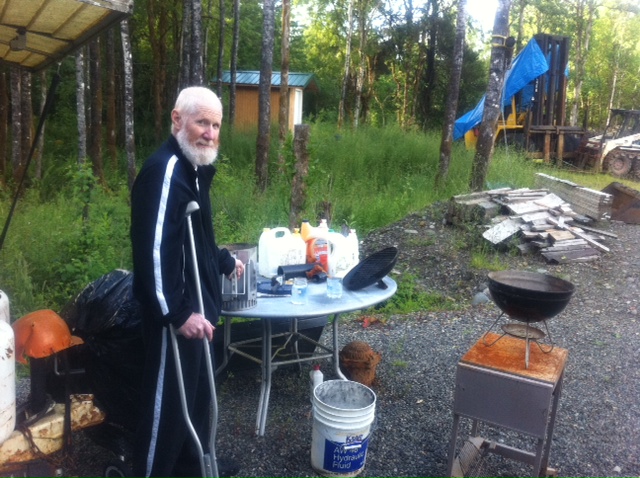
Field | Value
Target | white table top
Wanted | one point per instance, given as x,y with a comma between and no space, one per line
318,302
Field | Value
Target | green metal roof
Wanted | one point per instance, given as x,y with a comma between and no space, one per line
296,80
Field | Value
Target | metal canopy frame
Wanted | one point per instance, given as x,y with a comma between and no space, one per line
37,33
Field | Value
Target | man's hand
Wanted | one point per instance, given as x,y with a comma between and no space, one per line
197,327
239,270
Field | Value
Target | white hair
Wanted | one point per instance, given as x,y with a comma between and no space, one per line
194,97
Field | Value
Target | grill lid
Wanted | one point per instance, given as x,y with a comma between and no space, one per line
371,270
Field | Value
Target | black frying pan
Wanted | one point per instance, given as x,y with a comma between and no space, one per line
371,270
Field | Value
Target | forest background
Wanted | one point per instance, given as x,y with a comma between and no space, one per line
383,69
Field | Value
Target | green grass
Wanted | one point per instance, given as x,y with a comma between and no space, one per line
366,179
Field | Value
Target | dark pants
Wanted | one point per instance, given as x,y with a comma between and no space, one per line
164,446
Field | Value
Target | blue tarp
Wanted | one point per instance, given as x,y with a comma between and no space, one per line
528,65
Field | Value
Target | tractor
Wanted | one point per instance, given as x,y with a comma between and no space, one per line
617,150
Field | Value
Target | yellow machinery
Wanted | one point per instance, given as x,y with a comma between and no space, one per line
514,122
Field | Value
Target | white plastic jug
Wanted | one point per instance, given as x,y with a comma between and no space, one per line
297,253
273,249
354,248
263,262
339,255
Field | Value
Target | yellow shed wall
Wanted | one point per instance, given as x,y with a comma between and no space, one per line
247,107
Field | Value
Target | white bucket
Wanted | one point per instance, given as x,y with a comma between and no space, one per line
343,414
7,381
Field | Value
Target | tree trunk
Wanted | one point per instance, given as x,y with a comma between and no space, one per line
4,121
112,146
157,21
95,140
493,99
521,4
430,69
583,36
197,71
234,62
221,35
298,184
614,82
16,123
362,30
452,98
27,116
185,46
264,100
347,63
129,138
37,157
283,114
80,106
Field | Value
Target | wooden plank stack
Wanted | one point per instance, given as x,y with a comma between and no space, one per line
589,202
542,221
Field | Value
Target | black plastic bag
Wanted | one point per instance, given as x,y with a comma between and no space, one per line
107,317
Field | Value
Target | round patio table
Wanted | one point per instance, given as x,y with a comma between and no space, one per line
278,307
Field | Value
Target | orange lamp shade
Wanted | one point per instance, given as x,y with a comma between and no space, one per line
40,334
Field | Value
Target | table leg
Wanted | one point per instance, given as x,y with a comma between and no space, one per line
265,390
293,328
552,420
452,444
226,331
336,352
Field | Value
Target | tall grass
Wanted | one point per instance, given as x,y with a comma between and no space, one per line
367,179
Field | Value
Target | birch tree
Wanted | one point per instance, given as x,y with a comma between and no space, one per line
221,35
493,98
129,137
362,59
110,59
4,121
283,114
452,100
39,151
197,63
16,122
25,104
584,18
80,107
264,95
185,45
158,29
342,108
234,62
95,139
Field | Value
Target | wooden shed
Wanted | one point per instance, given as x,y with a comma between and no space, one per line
247,83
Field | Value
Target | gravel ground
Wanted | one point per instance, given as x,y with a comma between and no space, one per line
597,431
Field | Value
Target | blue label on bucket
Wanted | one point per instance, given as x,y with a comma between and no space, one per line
345,457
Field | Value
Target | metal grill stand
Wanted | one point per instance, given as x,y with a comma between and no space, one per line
492,387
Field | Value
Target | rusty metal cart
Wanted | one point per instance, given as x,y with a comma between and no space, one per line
493,387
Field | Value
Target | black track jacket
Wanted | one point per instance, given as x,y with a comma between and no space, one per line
163,279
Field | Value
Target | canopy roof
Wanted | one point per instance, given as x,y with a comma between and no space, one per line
36,33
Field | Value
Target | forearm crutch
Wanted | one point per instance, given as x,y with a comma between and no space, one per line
208,461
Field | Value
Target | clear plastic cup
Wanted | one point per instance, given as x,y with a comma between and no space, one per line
299,291
334,287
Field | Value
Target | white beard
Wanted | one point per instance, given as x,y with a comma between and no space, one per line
197,156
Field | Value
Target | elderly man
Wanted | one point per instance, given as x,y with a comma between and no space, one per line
179,172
